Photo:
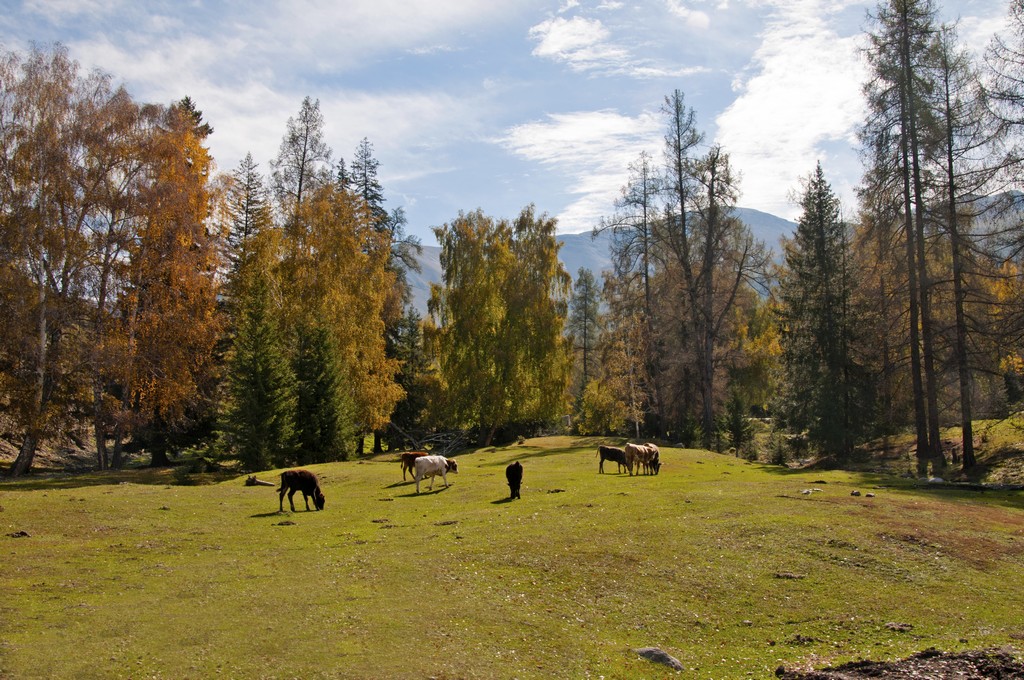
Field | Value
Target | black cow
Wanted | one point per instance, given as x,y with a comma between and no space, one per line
514,475
304,481
612,453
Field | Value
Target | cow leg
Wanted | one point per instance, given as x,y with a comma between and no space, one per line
291,500
280,497
444,476
600,467
305,497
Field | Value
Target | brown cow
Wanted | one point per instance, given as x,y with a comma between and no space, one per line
637,456
408,461
304,481
654,463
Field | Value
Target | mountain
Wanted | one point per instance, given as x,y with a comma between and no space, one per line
585,250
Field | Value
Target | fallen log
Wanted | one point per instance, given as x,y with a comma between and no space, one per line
252,481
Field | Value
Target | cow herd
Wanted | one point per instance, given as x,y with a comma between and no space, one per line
420,465
637,457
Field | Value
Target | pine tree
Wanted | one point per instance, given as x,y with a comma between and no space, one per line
259,421
248,208
364,181
817,325
323,423
405,343
584,326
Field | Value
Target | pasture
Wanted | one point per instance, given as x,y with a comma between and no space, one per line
724,564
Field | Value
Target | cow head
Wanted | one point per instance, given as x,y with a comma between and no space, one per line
451,465
318,499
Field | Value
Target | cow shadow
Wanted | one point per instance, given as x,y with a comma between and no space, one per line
398,484
275,513
502,501
424,492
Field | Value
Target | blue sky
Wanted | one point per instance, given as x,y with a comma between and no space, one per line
496,104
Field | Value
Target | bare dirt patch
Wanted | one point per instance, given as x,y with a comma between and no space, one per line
931,663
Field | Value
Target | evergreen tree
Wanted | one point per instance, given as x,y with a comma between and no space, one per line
259,421
323,422
583,325
248,208
363,179
405,343
817,327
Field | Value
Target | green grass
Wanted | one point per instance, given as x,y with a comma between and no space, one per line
724,564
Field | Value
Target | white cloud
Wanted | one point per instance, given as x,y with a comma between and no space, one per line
804,94
694,19
580,43
592,149
586,45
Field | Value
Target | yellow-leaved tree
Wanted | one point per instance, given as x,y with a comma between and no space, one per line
335,278
169,309
496,327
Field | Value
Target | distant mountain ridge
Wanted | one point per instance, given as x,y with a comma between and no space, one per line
589,251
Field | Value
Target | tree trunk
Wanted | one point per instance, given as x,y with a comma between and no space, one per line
23,463
26,454
117,458
378,446
920,419
490,435
99,430
959,295
159,456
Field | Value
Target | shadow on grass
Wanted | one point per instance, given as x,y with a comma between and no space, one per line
503,501
76,480
398,484
275,513
424,492
1010,498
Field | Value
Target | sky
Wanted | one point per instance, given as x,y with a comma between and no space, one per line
498,104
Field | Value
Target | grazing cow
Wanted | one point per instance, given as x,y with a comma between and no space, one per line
304,481
432,466
612,453
654,459
408,461
638,456
514,475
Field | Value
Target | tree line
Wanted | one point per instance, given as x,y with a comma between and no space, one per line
901,311
151,302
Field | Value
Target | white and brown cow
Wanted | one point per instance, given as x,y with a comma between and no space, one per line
432,466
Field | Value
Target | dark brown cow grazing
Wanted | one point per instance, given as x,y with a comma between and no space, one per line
612,453
408,461
514,475
304,481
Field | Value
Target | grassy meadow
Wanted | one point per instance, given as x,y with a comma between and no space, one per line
726,565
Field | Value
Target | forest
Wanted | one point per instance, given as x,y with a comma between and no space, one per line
263,317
